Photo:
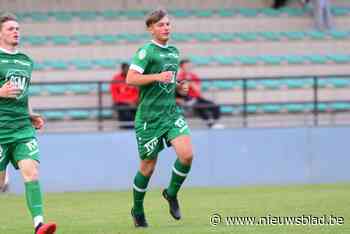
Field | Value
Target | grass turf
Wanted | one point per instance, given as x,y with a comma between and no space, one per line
109,212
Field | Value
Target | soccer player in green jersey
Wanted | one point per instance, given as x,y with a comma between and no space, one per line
18,144
158,120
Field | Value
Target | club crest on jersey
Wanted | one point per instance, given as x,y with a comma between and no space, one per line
170,86
19,79
142,54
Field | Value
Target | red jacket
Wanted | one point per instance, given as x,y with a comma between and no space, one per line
194,79
122,92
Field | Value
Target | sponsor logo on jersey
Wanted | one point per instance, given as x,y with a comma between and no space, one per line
174,55
19,79
150,146
170,86
24,63
16,61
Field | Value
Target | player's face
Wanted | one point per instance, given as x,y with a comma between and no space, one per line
9,33
161,30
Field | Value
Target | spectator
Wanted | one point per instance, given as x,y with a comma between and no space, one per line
207,110
322,14
279,3
125,98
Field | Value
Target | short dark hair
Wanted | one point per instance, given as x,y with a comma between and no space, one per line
184,61
155,17
4,17
124,65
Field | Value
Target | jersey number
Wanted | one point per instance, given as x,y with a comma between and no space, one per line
180,123
32,145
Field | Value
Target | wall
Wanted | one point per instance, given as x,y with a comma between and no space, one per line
231,157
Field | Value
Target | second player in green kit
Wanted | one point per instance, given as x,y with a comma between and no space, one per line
18,144
159,122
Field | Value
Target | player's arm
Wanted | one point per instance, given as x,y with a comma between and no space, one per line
136,78
9,91
37,120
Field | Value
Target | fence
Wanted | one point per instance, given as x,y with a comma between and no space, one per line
321,95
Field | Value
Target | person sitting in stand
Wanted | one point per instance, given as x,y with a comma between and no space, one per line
205,109
125,98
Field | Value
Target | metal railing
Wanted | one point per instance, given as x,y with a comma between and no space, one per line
241,107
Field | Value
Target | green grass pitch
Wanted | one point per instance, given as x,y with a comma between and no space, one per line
109,212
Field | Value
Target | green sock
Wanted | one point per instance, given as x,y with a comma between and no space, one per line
139,190
178,176
34,201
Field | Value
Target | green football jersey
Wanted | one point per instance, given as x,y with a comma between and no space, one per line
15,123
157,100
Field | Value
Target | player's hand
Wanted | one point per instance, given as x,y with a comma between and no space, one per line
37,120
165,77
9,91
183,87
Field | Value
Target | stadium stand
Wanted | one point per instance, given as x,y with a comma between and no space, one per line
86,42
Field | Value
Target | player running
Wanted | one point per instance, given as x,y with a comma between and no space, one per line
158,120
18,143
